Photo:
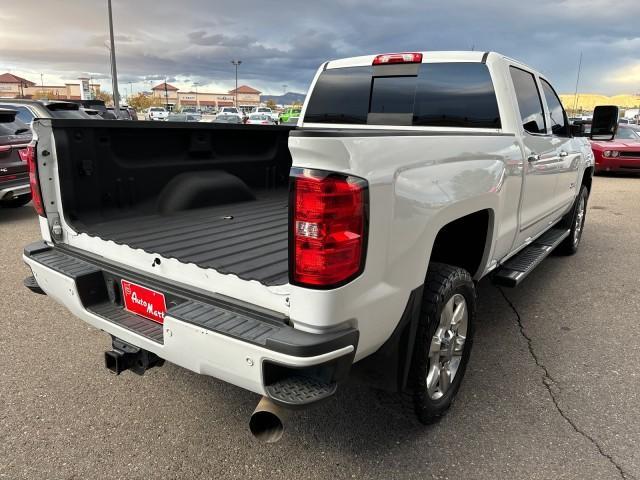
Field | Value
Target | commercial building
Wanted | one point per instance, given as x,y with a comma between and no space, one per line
13,86
248,97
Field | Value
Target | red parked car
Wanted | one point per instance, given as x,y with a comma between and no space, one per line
622,154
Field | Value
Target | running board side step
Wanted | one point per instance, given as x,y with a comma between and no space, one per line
515,270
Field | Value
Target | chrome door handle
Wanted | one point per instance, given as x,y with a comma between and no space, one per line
534,157
563,153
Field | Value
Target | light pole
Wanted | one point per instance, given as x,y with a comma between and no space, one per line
166,94
197,102
114,73
236,63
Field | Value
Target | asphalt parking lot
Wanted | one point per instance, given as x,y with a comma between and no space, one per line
552,390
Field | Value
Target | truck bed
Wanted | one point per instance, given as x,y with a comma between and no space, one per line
247,239
211,195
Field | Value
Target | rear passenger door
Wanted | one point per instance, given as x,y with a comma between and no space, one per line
538,201
567,151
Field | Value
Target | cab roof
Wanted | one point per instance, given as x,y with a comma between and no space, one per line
427,57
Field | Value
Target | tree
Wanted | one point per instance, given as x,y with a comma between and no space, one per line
271,104
43,95
141,101
297,104
104,96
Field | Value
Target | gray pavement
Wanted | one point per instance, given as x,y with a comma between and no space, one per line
552,391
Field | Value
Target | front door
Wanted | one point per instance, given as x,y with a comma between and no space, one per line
569,154
538,203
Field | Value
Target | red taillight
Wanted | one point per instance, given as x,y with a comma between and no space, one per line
29,155
388,58
329,216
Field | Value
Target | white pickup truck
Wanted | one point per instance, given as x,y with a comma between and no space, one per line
156,113
283,259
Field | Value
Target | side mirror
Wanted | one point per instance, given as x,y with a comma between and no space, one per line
605,122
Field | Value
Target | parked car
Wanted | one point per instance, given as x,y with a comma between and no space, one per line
183,117
260,119
29,109
231,110
228,118
156,113
274,115
356,250
620,155
15,136
91,112
285,116
124,113
292,120
97,105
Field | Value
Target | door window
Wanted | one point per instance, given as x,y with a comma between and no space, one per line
529,101
559,124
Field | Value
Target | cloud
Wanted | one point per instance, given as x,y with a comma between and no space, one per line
284,42
628,76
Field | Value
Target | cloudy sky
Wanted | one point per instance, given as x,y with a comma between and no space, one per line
282,42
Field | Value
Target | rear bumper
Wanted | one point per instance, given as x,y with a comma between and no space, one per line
13,189
250,348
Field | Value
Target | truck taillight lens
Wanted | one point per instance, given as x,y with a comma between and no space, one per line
28,155
328,228
390,58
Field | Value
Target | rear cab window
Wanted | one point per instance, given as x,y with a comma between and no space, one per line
429,94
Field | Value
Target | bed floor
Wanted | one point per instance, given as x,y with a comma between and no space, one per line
247,239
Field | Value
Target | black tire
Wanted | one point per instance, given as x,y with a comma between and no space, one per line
575,223
16,202
443,283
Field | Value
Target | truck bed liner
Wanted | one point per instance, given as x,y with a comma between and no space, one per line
247,239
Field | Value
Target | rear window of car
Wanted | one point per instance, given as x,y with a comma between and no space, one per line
17,127
434,94
23,113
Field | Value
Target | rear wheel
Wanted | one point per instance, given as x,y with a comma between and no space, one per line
16,202
443,341
574,220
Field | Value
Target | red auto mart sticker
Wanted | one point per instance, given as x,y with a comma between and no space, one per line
143,301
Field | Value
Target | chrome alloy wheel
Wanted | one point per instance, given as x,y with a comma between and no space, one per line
447,346
577,230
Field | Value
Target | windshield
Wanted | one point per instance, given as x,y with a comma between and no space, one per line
156,109
625,133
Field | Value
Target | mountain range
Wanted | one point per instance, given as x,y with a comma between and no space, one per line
287,99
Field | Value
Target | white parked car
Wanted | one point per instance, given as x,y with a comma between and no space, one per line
156,113
232,110
268,111
260,119
356,250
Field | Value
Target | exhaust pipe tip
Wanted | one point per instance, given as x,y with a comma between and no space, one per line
267,421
